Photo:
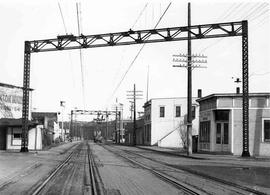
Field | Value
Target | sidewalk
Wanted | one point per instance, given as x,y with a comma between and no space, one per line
203,156
14,164
249,172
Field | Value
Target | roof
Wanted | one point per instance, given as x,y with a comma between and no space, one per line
43,114
231,95
148,103
171,98
14,122
12,86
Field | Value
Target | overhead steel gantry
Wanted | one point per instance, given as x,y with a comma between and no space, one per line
92,112
68,42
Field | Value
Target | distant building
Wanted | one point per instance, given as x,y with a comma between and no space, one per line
129,131
49,122
221,123
165,121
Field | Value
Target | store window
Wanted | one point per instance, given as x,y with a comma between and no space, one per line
266,130
193,112
204,132
222,115
177,111
161,111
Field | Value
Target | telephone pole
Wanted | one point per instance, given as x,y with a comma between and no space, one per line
189,61
134,95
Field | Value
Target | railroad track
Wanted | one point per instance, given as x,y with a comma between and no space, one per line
236,189
214,179
90,181
185,188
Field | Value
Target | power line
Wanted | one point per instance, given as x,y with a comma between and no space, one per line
251,19
140,50
71,64
139,15
80,51
124,50
256,11
62,18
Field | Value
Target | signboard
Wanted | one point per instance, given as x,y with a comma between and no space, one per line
10,102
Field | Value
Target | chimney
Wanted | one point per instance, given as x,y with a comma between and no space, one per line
199,93
237,90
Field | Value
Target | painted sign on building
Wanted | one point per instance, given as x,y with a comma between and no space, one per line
10,101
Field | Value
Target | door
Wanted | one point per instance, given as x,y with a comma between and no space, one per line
3,138
222,136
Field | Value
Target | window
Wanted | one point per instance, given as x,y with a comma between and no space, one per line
162,111
222,115
193,112
205,132
266,130
17,136
177,111
218,134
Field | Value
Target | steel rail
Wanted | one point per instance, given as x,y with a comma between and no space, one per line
182,186
91,171
224,182
59,167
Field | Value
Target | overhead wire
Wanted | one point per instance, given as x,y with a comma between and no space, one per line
139,16
63,20
138,53
124,49
80,51
250,19
66,31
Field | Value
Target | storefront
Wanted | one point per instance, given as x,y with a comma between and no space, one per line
10,116
220,126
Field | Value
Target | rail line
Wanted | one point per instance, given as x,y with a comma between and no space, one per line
235,187
187,189
97,188
91,172
224,182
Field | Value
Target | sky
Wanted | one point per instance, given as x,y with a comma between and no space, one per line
57,76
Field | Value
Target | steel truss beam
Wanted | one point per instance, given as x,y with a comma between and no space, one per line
93,112
68,42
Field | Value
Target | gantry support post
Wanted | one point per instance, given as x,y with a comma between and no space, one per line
245,152
25,108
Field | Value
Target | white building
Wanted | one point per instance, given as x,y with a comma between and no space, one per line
165,121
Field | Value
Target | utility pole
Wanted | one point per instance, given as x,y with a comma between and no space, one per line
107,125
190,65
188,62
62,104
134,114
189,93
71,125
134,95
116,113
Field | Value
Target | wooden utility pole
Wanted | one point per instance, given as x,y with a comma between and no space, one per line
134,95
189,91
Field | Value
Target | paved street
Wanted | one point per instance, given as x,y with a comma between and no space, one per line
22,173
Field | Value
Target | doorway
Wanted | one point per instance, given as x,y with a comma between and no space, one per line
3,138
222,136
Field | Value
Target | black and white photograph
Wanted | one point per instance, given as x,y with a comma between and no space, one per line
145,97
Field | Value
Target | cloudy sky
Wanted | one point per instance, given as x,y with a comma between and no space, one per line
57,76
